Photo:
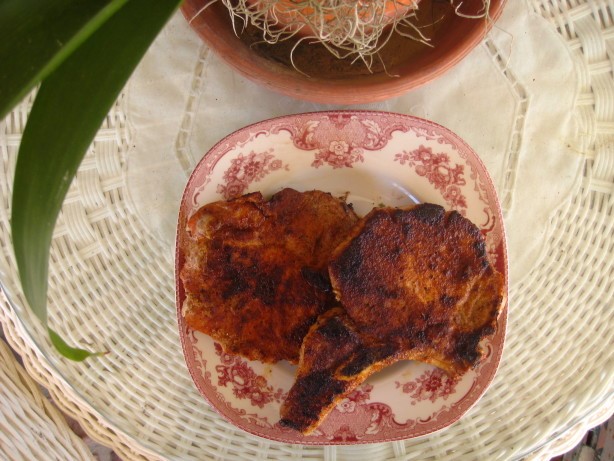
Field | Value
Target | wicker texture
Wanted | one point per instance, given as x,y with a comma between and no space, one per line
31,427
111,287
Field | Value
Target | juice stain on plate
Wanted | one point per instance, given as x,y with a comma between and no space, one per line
268,371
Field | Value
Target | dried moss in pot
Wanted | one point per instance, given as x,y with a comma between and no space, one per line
349,29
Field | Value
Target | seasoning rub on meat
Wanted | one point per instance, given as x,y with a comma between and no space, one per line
414,284
256,270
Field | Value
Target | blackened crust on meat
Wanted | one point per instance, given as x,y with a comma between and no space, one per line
367,357
426,213
335,360
334,330
414,284
331,346
255,272
321,384
422,279
317,278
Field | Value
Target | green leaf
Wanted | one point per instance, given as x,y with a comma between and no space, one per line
73,353
69,108
37,35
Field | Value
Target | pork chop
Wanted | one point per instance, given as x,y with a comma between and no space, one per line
414,284
255,272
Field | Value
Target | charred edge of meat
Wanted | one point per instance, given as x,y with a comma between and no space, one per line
317,279
367,357
308,410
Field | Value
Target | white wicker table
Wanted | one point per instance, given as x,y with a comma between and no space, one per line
31,427
111,286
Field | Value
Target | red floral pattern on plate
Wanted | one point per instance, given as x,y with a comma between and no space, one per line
338,155
437,168
431,385
357,397
245,383
247,169
362,132
341,140
365,419
363,151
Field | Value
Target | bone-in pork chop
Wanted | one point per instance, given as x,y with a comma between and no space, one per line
414,284
255,272
335,359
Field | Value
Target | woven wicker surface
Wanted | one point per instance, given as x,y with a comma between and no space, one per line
31,427
111,286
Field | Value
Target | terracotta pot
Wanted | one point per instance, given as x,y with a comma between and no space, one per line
330,80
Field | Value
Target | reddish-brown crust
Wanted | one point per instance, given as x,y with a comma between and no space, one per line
255,271
335,359
414,284
420,278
